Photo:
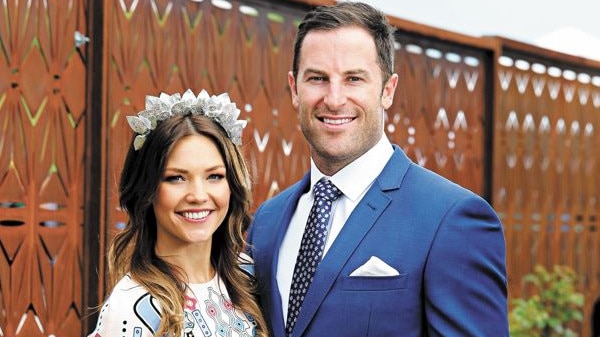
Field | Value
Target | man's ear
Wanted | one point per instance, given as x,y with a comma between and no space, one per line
389,88
294,90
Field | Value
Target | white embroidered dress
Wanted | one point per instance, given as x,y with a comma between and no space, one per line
130,311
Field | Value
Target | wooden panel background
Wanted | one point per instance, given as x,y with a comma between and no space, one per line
456,102
42,118
438,116
546,166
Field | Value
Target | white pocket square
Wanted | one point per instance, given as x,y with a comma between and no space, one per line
375,267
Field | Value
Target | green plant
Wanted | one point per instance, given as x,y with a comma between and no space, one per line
551,309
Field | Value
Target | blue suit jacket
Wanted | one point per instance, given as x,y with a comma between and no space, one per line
446,242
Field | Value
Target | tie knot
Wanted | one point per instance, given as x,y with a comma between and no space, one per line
325,189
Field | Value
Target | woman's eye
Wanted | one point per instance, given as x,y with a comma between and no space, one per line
216,176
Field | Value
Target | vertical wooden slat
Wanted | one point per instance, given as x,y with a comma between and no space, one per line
95,201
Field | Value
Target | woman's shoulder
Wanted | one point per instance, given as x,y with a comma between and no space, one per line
128,285
130,307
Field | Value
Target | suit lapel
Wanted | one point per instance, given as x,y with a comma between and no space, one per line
269,254
359,223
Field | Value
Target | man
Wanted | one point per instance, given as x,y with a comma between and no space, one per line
407,252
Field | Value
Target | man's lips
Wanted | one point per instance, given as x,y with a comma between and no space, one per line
336,121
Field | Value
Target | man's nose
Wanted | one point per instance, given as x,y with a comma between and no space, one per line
335,96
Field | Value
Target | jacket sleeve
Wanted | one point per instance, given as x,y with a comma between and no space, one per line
465,274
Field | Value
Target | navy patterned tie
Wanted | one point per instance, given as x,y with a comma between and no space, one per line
311,248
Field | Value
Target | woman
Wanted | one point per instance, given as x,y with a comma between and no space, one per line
177,267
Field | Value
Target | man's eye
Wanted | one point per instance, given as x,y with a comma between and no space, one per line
174,178
354,79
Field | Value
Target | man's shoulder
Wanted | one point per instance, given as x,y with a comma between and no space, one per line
423,180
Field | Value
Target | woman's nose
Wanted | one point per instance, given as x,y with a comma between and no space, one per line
196,192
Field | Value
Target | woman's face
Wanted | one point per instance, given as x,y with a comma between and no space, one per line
193,195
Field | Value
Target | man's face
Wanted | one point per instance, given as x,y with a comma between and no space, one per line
340,95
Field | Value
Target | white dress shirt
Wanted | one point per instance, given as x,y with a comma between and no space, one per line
353,180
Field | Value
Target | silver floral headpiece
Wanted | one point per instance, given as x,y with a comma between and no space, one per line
218,108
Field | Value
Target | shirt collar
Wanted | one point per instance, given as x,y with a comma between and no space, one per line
357,176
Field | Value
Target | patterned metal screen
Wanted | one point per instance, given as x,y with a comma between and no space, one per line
42,119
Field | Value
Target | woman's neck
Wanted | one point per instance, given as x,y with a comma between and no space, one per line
193,261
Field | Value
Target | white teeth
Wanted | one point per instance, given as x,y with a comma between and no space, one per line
337,121
195,215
